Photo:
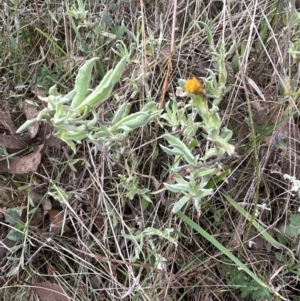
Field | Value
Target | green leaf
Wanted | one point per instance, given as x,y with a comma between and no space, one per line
82,82
150,106
131,121
26,124
13,216
290,230
180,148
209,35
68,97
73,132
235,64
15,233
293,231
179,187
53,92
104,89
202,172
121,113
59,115
261,292
201,193
92,122
14,271
75,136
166,233
102,132
179,204
118,31
295,220
213,182
170,151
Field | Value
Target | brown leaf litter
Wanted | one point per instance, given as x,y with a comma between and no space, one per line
30,113
26,164
48,291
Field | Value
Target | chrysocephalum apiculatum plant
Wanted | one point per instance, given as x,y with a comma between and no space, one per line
211,121
70,114
193,187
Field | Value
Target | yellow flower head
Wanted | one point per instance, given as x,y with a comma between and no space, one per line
194,86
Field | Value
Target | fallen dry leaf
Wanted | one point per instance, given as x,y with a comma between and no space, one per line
37,218
243,132
30,113
7,123
267,114
5,245
56,218
11,142
48,291
47,205
45,133
35,197
257,242
99,220
71,61
23,165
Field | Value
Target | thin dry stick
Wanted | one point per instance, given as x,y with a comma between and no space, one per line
37,11
144,33
145,266
162,99
165,85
